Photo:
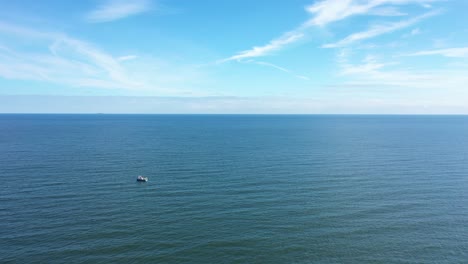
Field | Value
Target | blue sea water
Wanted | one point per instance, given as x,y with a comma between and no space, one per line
233,189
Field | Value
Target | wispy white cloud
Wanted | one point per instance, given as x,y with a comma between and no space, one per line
451,52
274,66
415,32
378,30
387,11
274,45
127,58
16,30
69,61
112,10
329,11
61,59
303,77
368,65
270,65
371,72
325,12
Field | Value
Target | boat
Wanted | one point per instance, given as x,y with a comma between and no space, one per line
142,179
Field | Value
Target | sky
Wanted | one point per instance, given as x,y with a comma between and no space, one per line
234,56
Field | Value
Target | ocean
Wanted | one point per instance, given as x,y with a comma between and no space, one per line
233,189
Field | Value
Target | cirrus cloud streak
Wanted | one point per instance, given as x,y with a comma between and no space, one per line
117,9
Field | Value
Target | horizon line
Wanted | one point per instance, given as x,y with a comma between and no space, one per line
244,114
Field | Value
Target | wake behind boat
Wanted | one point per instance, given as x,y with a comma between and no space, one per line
142,179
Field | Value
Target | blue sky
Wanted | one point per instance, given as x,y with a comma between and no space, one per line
234,56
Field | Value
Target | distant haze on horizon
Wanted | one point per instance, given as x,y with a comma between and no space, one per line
234,56
205,105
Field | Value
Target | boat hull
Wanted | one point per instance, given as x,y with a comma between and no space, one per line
142,179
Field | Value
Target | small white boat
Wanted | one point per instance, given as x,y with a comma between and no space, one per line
142,179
